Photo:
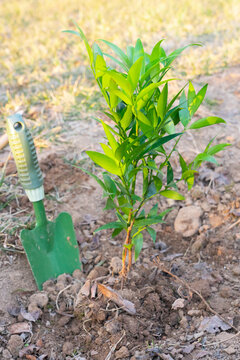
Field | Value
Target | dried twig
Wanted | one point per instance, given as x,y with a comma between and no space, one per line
191,291
114,347
231,226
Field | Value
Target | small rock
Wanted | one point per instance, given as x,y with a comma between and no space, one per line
63,320
194,312
230,350
236,270
6,354
77,274
40,299
15,344
188,221
178,304
18,328
67,348
115,265
112,327
122,353
160,245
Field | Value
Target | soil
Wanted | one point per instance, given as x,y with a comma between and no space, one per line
181,299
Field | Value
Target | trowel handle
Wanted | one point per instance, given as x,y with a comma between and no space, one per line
24,153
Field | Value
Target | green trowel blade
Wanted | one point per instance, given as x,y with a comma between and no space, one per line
51,248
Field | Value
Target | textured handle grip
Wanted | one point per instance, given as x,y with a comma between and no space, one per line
25,156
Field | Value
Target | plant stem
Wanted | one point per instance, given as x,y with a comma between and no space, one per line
128,239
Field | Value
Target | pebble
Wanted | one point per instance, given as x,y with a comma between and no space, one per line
194,312
67,348
40,299
15,344
230,350
236,270
225,292
122,353
188,221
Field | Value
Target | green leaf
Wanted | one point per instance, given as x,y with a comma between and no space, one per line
122,65
183,163
122,96
191,93
169,173
150,88
195,102
111,225
153,211
110,185
105,162
152,233
171,194
109,204
100,66
207,121
216,148
108,151
138,244
130,53
121,81
134,73
204,157
143,119
157,182
138,50
127,118
176,53
111,139
162,102
116,232
118,52
148,221
170,127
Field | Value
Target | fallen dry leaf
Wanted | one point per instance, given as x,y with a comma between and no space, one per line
27,350
216,220
19,328
85,289
30,316
109,293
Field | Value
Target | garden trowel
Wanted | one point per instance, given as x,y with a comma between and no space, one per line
51,247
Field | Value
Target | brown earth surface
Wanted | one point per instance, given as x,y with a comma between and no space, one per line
181,299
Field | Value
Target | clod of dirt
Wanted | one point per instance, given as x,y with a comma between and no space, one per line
202,286
77,274
40,299
113,327
115,265
122,353
64,320
188,221
15,344
97,272
198,244
67,348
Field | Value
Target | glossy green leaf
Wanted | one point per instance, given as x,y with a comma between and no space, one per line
138,244
162,102
111,139
134,73
109,204
111,225
105,162
138,50
148,221
207,121
171,194
153,211
127,118
196,101
118,52
152,233
117,231
121,64
110,185
100,66
121,81
122,96
216,148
